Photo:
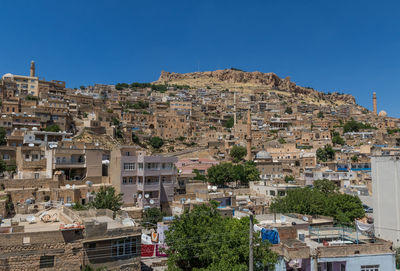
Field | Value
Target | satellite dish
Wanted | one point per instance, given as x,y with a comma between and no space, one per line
140,196
67,186
73,186
146,196
151,201
31,145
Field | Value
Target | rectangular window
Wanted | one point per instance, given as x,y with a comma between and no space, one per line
124,180
36,175
69,200
6,156
370,267
130,180
46,261
272,193
124,247
129,166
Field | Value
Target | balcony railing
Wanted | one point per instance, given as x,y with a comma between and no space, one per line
149,186
70,162
34,164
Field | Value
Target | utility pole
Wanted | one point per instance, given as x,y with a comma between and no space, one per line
251,263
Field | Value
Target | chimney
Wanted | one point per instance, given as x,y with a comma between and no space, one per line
374,103
32,74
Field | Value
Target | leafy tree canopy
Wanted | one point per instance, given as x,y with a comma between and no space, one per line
230,123
322,199
355,126
199,176
151,216
107,198
3,136
228,173
52,128
326,153
337,139
156,142
238,153
288,110
202,240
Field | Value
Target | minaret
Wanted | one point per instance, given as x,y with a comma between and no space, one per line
32,69
234,108
248,137
374,103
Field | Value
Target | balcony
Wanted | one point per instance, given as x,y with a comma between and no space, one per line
70,163
148,186
34,164
157,172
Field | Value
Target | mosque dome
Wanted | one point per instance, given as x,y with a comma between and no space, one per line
8,75
263,155
382,113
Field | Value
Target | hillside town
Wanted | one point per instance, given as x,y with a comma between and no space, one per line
94,177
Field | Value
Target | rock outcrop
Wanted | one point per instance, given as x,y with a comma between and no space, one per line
259,79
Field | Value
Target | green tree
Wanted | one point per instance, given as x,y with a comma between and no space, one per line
135,139
202,240
326,153
323,199
355,126
52,128
281,140
3,165
325,186
228,173
79,207
199,176
151,216
107,198
320,115
115,121
238,153
3,136
354,158
252,174
156,142
221,174
337,139
288,110
289,178
230,123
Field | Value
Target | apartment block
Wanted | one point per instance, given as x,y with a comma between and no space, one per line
145,181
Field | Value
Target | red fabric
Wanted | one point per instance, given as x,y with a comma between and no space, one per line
159,253
147,250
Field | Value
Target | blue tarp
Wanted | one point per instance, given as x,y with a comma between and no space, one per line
271,235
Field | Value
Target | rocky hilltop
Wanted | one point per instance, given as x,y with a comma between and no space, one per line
232,78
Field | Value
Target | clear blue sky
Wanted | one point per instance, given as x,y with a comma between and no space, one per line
345,46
